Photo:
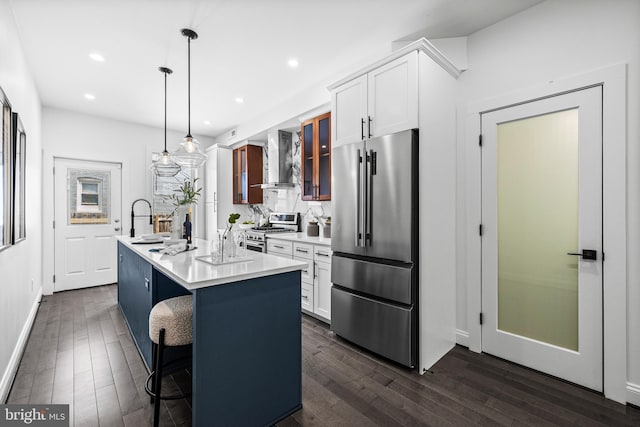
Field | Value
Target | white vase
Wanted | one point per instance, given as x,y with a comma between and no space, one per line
229,244
178,218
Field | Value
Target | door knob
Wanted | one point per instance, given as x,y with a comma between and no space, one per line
586,254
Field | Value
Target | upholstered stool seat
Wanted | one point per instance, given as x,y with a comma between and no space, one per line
170,325
174,316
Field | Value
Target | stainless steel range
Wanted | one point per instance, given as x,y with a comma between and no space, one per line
287,222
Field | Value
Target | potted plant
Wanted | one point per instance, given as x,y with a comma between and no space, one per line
186,194
183,199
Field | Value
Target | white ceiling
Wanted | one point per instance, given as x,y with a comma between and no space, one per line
242,50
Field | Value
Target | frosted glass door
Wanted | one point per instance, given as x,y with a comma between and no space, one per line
541,207
537,225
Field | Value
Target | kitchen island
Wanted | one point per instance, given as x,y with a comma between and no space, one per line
247,360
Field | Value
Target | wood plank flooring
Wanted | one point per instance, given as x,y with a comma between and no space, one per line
80,352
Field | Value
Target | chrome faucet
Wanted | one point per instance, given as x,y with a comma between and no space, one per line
132,232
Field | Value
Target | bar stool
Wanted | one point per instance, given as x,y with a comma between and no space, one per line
169,326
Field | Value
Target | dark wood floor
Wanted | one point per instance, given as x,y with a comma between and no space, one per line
80,352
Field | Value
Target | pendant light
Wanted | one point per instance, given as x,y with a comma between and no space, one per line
189,153
164,166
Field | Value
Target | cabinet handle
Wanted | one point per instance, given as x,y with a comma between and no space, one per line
146,283
278,246
306,271
304,251
120,257
322,254
369,127
305,297
362,129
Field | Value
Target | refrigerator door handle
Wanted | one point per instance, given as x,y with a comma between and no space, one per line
365,196
358,197
368,203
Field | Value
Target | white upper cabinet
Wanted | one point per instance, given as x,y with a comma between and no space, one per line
211,175
383,101
349,111
393,96
217,188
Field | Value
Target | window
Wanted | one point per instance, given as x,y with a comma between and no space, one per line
89,192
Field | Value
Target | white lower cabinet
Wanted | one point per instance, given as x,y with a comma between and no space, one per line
306,297
281,248
322,290
315,283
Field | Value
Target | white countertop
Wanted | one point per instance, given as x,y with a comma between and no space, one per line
301,237
191,273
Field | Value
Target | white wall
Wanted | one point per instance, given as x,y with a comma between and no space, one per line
80,136
553,40
20,265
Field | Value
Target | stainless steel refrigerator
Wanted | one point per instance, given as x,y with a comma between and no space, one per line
374,243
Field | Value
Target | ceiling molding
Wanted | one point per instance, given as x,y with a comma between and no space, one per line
422,45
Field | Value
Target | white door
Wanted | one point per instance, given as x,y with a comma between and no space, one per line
542,203
87,204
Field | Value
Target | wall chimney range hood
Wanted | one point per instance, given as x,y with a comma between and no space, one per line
280,164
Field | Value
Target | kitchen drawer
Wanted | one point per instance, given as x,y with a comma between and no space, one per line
307,273
280,247
322,254
306,297
303,250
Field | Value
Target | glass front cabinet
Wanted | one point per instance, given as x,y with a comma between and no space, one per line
247,172
316,158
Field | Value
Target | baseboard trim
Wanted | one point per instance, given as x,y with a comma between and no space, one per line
14,362
462,338
633,394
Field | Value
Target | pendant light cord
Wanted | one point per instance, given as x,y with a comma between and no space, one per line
165,112
189,86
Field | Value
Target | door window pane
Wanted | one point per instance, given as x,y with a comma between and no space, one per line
88,196
537,226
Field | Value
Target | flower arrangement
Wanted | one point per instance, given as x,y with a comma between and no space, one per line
186,194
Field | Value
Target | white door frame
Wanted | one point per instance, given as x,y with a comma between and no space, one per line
614,130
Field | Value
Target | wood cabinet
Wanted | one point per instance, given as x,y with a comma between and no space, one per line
316,158
380,102
247,171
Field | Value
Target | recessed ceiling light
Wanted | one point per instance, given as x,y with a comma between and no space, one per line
89,96
293,63
96,57
207,122
239,100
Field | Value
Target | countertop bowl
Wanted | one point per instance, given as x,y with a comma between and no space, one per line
151,236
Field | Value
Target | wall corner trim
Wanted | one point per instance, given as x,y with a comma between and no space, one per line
12,368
